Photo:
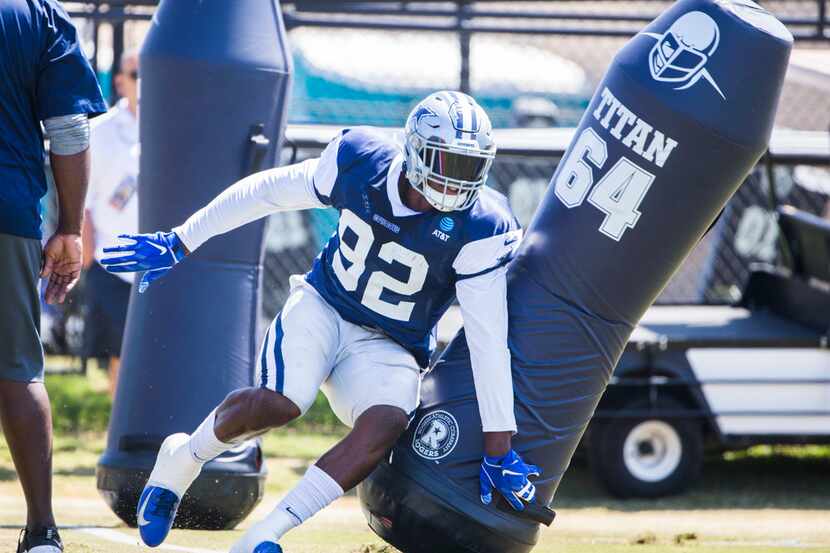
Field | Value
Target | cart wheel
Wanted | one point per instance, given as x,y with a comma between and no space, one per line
646,457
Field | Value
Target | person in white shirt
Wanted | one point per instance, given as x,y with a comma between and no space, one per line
111,208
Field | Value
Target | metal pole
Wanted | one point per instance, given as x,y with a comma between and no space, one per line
117,51
96,27
772,191
464,39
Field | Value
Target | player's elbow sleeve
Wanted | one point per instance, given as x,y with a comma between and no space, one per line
68,134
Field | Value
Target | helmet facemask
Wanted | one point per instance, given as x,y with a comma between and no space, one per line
449,177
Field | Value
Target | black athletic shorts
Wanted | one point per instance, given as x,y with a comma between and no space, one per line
105,306
21,353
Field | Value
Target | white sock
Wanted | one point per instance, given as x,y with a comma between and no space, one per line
204,445
175,468
312,494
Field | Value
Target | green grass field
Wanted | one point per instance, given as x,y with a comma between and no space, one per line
764,500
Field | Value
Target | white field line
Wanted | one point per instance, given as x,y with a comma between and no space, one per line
793,543
119,537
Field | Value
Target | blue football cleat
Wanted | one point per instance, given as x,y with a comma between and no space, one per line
268,547
156,511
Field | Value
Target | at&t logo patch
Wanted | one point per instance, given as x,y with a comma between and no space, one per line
436,435
445,225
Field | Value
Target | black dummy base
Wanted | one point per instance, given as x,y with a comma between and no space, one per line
433,515
221,497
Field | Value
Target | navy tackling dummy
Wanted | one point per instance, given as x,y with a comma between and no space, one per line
417,229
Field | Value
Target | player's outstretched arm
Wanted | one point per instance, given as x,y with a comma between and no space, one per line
279,189
483,301
300,186
251,198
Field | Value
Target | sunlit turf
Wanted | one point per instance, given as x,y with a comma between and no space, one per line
761,500
334,540
764,500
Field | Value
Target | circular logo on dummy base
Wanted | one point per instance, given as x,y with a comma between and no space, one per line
436,435
446,224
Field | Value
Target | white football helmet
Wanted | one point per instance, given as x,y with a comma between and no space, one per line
449,149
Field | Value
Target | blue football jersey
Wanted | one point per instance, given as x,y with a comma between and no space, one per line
389,267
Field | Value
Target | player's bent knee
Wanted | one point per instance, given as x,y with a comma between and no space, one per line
259,409
398,421
269,409
384,424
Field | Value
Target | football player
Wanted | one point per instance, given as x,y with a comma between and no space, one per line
418,228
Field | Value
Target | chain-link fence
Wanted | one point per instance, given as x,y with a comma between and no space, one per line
529,63
540,70
520,80
379,75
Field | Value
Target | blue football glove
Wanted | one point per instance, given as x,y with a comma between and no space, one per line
509,475
155,253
